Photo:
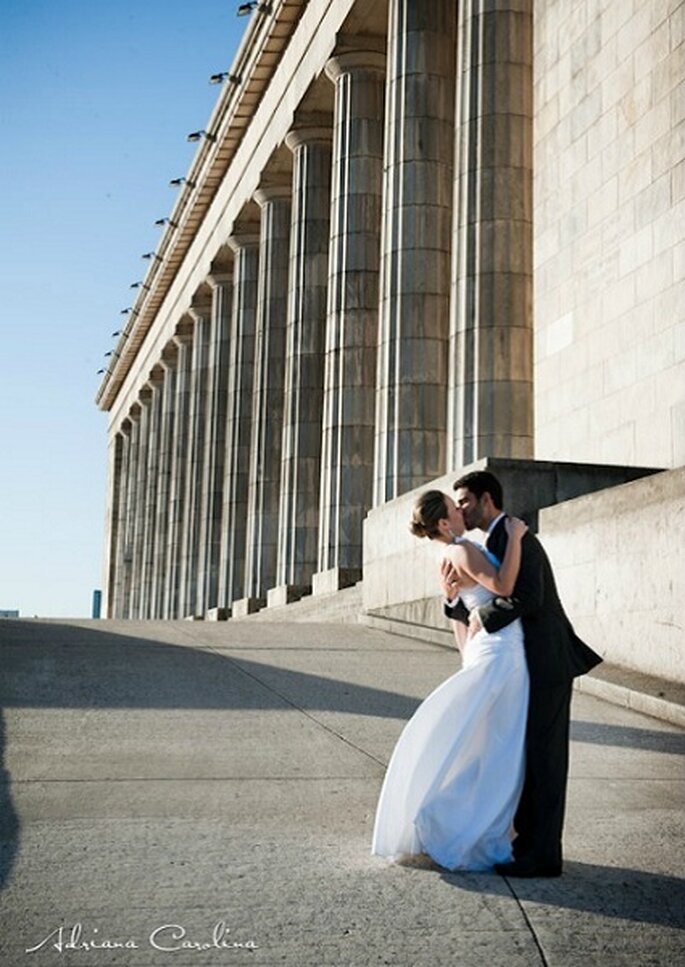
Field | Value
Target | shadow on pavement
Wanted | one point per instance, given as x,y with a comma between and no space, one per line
651,740
61,666
69,666
52,668
604,890
9,821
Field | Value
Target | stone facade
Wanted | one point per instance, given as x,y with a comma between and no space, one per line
610,231
340,308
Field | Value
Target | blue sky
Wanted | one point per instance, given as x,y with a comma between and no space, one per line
96,100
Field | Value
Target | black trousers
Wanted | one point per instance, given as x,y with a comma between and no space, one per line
540,815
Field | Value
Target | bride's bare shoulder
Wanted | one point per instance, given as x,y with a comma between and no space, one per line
457,552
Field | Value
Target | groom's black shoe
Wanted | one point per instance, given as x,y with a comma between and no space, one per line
528,869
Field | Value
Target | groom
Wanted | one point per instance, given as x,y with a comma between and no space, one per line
555,655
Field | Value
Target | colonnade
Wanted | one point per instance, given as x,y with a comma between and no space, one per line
365,327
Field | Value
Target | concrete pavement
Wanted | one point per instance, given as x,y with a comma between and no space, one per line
165,782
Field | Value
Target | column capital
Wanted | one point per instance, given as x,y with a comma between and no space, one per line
156,377
346,61
200,311
310,129
217,279
145,394
184,331
243,238
169,355
266,193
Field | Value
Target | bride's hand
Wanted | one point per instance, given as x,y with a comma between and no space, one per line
449,580
515,527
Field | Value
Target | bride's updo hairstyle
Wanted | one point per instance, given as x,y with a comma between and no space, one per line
429,509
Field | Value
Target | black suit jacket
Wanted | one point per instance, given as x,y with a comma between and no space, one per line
554,652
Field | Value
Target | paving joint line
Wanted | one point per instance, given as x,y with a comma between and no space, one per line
526,920
304,712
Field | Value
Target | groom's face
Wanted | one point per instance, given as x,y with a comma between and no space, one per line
470,506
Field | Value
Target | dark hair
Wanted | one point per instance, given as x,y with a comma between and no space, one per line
481,482
429,509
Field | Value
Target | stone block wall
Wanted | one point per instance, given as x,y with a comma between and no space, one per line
619,558
609,231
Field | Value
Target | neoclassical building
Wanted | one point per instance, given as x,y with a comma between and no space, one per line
415,235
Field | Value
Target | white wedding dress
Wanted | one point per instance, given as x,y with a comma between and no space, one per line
455,776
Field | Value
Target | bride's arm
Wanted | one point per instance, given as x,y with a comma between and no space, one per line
460,635
474,564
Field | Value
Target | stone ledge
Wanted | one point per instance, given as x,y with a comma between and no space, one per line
408,629
653,696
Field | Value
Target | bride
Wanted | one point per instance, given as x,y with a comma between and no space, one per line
455,776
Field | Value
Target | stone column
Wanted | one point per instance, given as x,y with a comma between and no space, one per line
215,446
303,395
151,487
115,603
261,541
411,402
197,415
138,507
115,485
177,477
352,320
169,361
129,513
491,326
245,246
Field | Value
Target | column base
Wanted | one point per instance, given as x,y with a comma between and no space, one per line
286,594
218,614
193,617
335,579
244,606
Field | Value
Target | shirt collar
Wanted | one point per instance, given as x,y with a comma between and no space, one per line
495,522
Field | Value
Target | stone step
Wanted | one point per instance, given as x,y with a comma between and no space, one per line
342,607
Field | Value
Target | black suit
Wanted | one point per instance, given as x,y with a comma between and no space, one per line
555,655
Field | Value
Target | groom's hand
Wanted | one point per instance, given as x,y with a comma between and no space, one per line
449,580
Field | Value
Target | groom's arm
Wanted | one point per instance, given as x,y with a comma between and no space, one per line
528,594
456,610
